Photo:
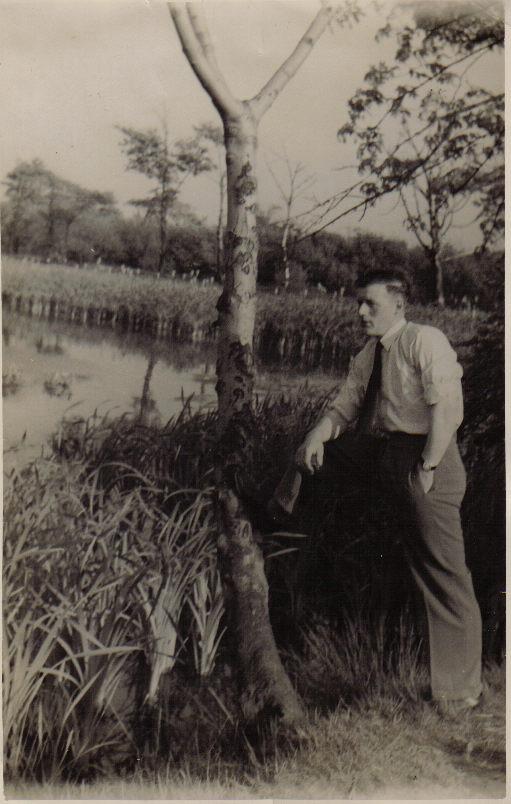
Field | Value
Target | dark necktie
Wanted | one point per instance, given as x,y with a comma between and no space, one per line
368,409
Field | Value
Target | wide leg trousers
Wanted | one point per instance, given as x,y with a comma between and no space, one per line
433,542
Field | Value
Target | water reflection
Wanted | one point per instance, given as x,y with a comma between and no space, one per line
53,370
57,370
59,384
49,346
11,381
144,406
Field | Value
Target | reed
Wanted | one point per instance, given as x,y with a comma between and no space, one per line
93,578
307,331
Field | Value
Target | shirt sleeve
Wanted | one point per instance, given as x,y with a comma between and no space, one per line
349,400
438,365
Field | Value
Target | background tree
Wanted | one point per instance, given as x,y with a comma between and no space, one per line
168,165
24,191
296,183
266,683
42,208
424,129
212,137
66,204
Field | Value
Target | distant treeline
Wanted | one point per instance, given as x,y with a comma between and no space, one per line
57,221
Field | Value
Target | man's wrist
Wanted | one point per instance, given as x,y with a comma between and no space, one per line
427,466
322,431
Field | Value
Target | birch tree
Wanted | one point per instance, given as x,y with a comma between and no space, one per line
266,684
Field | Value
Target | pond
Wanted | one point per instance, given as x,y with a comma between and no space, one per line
53,370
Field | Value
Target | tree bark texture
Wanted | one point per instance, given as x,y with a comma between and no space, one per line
266,685
438,271
236,306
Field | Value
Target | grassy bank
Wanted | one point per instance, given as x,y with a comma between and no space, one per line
104,591
116,657
117,660
300,331
381,747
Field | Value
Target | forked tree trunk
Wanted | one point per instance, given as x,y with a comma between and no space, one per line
266,684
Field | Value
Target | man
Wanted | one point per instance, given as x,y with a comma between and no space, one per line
403,391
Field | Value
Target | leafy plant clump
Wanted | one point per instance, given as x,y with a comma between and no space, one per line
96,585
114,643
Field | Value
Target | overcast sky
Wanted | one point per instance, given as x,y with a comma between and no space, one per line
71,71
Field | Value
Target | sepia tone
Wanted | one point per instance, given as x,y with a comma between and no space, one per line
209,212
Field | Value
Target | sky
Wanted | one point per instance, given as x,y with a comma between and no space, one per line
72,71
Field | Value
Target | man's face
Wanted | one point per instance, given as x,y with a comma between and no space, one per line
378,308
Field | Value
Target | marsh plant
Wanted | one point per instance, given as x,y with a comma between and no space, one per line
113,603
294,330
92,580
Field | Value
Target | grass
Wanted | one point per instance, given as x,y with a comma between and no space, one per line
292,330
114,663
381,746
114,619
93,582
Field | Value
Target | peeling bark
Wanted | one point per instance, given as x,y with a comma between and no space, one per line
267,688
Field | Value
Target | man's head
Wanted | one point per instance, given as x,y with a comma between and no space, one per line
382,297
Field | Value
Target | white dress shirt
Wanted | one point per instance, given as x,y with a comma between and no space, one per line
419,368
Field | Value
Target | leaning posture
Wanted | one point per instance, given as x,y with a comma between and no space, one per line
392,428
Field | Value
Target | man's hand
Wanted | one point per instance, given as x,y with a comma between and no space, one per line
309,455
425,478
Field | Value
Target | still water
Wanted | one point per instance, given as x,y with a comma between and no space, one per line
52,370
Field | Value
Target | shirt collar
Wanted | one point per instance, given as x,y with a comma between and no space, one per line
390,336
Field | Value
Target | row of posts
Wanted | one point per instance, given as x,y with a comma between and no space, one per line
304,347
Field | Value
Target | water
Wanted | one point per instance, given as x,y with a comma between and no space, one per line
53,370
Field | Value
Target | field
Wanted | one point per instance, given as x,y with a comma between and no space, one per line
118,672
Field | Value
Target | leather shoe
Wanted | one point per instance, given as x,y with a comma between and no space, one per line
452,709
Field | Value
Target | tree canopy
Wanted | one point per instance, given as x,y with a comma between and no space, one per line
425,129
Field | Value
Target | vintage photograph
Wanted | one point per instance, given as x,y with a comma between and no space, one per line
252,270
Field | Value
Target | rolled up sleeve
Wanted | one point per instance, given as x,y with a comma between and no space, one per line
439,368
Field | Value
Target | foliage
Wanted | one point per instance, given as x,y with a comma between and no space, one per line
49,206
167,165
483,437
447,146
92,579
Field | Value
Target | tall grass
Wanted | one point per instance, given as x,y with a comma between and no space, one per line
293,330
113,612
92,579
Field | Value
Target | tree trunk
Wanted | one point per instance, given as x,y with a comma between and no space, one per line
162,230
220,232
285,256
266,685
439,280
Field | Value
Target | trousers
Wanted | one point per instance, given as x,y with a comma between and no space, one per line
432,540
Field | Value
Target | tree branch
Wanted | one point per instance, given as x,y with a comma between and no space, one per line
261,102
200,28
207,73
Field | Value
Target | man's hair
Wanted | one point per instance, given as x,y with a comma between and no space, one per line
394,279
